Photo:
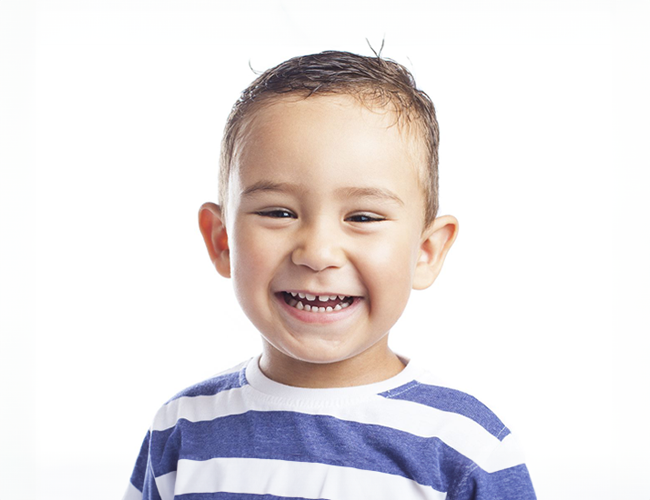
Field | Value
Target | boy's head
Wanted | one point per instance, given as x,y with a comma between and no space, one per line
373,81
330,182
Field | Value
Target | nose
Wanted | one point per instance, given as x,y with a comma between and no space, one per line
318,246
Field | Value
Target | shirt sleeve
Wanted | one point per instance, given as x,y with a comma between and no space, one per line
142,485
507,478
509,484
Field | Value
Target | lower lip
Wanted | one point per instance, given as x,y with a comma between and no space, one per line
318,317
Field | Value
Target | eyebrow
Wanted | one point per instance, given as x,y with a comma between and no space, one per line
371,192
349,192
265,186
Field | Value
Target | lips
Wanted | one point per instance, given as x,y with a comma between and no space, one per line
325,303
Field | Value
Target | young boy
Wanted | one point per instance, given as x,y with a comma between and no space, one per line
327,220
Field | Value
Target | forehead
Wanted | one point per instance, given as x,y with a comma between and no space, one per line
336,132
326,152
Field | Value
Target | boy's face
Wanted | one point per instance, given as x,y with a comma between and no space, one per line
325,211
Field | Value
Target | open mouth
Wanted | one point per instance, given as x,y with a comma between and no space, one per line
317,303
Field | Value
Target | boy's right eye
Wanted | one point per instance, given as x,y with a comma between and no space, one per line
276,213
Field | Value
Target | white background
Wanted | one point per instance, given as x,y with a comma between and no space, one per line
110,120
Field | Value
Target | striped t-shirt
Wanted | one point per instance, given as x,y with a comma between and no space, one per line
242,436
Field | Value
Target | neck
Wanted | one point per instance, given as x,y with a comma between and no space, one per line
365,368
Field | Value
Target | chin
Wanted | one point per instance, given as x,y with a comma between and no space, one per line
316,353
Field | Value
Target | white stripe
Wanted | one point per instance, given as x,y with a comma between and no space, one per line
507,454
295,479
132,493
459,432
166,484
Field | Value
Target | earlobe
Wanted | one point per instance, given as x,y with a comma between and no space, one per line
437,240
213,229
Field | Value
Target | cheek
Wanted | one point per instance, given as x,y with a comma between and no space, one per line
251,274
249,259
390,266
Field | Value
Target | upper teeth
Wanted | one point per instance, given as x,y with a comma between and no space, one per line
322,298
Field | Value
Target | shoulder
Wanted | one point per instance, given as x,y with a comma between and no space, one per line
425,390
233,378
487,454
196,402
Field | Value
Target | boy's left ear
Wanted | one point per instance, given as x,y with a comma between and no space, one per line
437,240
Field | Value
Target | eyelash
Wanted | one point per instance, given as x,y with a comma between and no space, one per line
366,218
279,213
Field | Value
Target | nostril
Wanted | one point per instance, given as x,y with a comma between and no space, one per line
317,257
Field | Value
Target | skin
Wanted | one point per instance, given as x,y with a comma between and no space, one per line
325,199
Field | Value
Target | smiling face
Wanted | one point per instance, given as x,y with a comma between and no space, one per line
325,236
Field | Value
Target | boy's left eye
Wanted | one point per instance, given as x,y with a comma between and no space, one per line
364,218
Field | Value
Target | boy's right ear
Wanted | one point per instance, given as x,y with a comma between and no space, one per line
213,229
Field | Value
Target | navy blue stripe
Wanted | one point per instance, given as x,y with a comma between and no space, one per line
309,438
142,478
150,491
137,478
215,385
236,496
450,400
508,484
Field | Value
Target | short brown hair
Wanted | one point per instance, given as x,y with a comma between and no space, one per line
373,80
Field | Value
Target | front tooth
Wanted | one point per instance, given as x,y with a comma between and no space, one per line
301,295
321,309
307,308
332,297
329,309
309,296
323,298
300,306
